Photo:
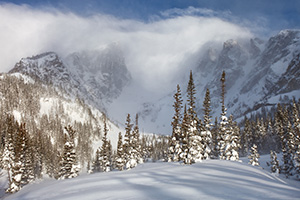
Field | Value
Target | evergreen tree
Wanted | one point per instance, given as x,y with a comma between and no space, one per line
69,167
185,154
26,156
205,133
274,162
175,147
207,110
215,131
120,162
198,145
232,141
222,137
105,152
282,124
296,130
10,158
195,151
191,99
129,150
137,149
96,164
254,156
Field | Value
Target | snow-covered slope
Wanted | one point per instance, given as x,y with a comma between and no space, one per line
212,179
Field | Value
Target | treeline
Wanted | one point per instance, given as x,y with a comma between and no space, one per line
194,139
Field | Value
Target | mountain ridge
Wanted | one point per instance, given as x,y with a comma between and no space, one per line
257,72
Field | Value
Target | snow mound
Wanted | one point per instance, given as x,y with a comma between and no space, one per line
212,179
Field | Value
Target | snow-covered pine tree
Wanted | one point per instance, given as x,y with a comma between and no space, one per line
194,138
26,157
296,130
136,144
223,122
96,163
206,134
120,162
105,152
244,137
199,149
254,156
283,128
10,158
259,133
69,167
274,162
131,162
215,131
232,140
185,154
207,110
175,144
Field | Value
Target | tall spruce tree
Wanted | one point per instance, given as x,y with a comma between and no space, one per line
105,152
207,110
214,131
69,167
222,137
10,158
136,144
120,162
175,141
129,150
185,154
195,141
205,133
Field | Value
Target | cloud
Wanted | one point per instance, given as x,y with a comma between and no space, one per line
155,52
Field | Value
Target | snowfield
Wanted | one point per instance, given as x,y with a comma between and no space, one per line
211,179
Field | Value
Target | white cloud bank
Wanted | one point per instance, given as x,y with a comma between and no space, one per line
155,52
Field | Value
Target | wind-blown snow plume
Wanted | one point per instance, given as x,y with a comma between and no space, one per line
156,50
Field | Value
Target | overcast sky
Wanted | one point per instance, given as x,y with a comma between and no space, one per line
157,36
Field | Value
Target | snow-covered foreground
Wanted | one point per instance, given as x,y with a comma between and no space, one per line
213,179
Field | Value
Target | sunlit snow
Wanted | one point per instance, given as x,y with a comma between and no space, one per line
212,179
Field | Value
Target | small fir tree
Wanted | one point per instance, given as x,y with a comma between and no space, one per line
274,163
254,156
120,162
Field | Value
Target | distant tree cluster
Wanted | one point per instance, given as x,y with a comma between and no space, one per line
131,151
280,133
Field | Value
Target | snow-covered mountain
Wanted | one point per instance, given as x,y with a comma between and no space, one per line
258,73
255,72
98,77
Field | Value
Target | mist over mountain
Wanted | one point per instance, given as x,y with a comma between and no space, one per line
258,73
